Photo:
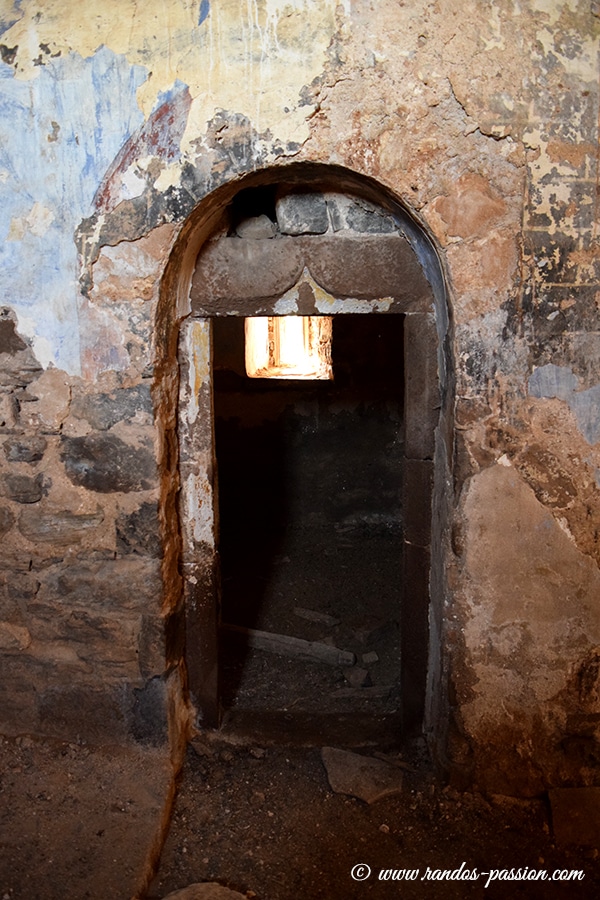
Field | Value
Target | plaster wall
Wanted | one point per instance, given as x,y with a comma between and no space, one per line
123,132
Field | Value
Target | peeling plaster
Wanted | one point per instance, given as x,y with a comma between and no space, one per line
325,302
200,512
157,141
581,64
519,613
288,303
197,338
271,47
328,305
251,83
559,381
115,119
49,186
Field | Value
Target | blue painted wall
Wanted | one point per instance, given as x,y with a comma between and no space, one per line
59,133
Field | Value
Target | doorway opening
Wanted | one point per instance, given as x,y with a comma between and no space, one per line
310,528
295,347
305,506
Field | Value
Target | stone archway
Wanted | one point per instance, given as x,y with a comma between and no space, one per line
383,262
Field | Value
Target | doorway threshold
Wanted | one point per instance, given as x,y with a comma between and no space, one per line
309,729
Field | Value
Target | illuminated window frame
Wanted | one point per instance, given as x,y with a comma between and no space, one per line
297,347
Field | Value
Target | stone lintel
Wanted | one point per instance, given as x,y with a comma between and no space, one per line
243,277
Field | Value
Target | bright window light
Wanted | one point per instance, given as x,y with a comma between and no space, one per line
289,347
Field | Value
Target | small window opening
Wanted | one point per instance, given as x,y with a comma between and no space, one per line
289,347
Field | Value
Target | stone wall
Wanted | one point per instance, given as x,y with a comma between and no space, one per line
81,633
125,132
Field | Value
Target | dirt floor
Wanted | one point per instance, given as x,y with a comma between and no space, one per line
77,821
256,808
338,588
264,820
261,818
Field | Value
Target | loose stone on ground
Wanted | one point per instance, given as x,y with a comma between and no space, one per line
360,776
204,891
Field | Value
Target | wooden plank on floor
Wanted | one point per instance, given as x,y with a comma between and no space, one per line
294,647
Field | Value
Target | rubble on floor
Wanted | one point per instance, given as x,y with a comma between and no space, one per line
309,630
268,825
360,776
207,890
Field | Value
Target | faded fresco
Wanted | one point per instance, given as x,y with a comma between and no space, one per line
118,122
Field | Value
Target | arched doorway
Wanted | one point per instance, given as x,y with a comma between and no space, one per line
367,257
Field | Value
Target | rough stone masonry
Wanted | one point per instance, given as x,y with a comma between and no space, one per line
126,131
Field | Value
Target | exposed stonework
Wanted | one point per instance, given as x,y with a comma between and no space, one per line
107,464
123,148
74,598
364,256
